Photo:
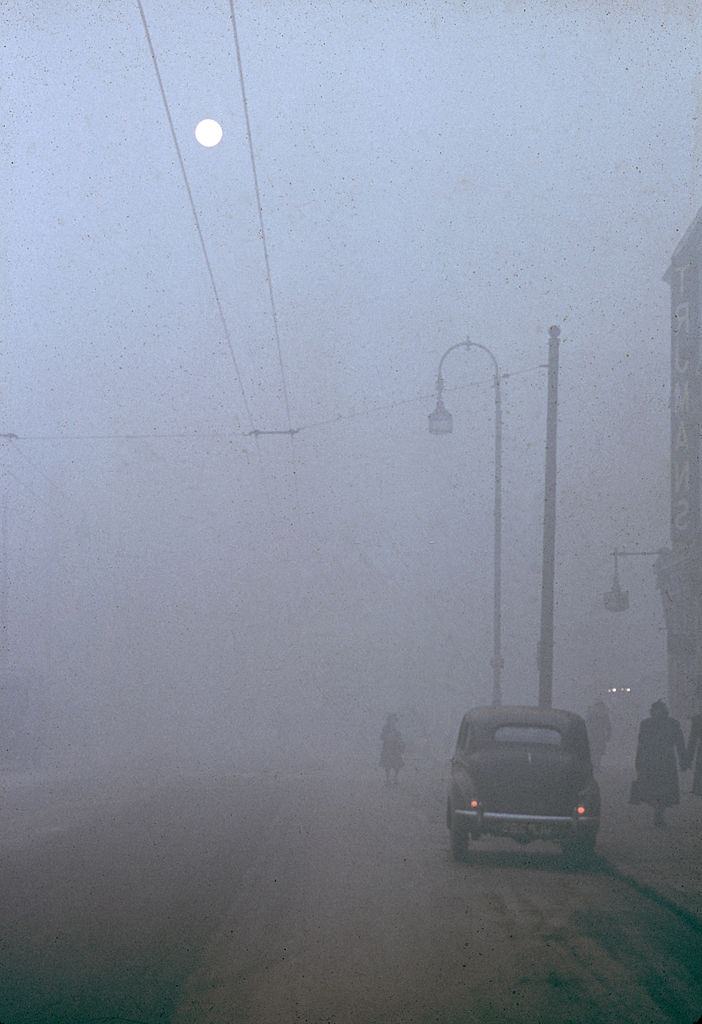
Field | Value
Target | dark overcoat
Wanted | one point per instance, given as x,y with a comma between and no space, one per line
660,740
694,753
392,748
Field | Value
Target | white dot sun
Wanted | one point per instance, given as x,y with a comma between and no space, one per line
208,132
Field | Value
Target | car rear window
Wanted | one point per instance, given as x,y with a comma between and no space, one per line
527,734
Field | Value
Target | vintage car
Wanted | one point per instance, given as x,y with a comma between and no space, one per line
525,773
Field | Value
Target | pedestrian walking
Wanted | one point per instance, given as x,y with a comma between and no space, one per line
694,753
660,740
392,749
599,730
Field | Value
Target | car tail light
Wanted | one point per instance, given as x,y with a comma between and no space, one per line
581,809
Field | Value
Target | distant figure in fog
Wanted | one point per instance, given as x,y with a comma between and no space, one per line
660,738
694,753
392,748
599,730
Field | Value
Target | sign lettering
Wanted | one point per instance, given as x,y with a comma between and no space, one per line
684,425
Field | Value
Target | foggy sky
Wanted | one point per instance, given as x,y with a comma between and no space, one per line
426,169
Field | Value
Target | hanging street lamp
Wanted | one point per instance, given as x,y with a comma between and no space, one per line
616,599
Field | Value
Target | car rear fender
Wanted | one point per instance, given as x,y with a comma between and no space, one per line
463,787
589,796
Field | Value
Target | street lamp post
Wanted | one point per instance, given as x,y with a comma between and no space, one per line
441,422
548,570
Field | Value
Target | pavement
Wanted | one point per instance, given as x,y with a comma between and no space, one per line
669,862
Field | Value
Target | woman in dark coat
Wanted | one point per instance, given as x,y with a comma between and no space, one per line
660,738
392,748
694,753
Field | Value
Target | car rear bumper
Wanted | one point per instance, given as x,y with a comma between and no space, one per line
529,825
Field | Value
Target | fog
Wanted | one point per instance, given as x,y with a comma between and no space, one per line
180,593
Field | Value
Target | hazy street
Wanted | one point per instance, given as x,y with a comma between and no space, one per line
323,897
350,487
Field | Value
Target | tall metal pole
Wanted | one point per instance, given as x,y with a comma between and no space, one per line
545,651
497,608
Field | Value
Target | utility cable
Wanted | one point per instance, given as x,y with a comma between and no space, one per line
427,397
221,436
208,264
264,243
196,219
256,433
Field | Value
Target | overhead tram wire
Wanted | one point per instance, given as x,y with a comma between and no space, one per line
229,435
373,410
266,256
194,436
201,237
196,218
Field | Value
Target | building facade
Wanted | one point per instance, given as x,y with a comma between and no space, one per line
679,567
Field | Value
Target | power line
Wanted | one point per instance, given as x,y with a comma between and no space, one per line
221,436
259,208
264,243
196,218
208,264
274,433
427,397
257,433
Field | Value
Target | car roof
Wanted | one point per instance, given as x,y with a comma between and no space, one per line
518,714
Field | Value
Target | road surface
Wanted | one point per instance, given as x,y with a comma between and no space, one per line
316,897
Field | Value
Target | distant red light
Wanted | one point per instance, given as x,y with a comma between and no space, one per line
581,809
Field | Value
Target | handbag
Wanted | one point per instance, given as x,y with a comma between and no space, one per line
636,792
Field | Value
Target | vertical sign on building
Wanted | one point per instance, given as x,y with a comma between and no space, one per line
680,569
684,411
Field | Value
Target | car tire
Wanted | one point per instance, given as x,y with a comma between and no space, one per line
459,840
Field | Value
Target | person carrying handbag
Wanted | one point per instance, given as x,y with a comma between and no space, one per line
660,740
